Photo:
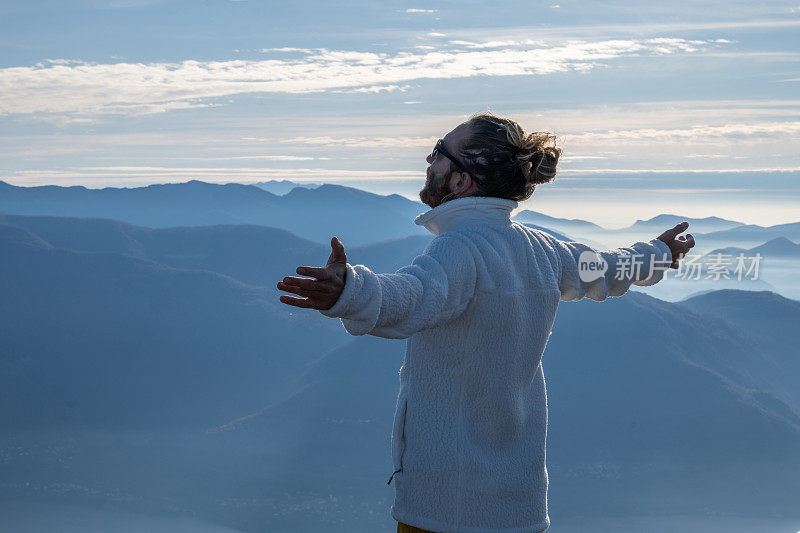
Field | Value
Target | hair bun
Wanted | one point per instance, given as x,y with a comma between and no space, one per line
509,161
543,162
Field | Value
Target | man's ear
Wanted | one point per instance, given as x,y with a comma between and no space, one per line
461,184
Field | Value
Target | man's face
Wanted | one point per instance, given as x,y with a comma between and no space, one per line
440,169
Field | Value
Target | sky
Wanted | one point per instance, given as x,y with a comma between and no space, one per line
685,107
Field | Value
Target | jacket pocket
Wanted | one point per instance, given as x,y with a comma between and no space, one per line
399,432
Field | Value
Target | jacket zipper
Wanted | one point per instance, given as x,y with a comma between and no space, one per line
392,477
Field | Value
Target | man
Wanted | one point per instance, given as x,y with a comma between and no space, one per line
477,308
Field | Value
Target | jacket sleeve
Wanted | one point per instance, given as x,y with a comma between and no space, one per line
589,273
435,288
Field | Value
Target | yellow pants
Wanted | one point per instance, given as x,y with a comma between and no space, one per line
405,528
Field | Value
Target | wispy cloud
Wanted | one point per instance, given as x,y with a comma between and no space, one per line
735,130
80,90
262,157
363,142
497,44
412,10
285,49
374,89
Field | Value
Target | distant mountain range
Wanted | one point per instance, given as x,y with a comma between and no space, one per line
655,225
281,187
533,217
256,255
698,225
315,214
751,234
779,247
358,218
307,210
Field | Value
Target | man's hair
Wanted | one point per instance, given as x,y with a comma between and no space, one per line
508,162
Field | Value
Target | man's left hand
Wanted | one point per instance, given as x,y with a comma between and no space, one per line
677,245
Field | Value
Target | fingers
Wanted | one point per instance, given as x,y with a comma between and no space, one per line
318,272
684,245
338,251
306,303
297,290
672,232
304,283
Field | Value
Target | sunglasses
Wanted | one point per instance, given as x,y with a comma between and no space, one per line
442,150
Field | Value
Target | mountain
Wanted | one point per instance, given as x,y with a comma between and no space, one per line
281,187
192,203
561,224
753,234
256,255
779,247
315,214
696,225
603,239
769,320
95,339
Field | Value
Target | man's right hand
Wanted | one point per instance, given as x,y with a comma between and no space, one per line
324,290
677,245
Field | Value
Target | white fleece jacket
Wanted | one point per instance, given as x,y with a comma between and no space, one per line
477,308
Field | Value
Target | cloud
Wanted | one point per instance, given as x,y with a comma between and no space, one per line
699,133
286,49
76,90
421,10
362,142
497,44
374,89
263,157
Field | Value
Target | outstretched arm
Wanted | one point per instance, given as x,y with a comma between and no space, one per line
435,288
589,273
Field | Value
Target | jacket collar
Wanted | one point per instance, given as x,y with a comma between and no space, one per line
467,211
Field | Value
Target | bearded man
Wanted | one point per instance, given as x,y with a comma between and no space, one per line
477,308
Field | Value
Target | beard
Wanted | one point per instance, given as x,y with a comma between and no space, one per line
435,190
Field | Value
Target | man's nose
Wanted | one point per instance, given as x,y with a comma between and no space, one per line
428,159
